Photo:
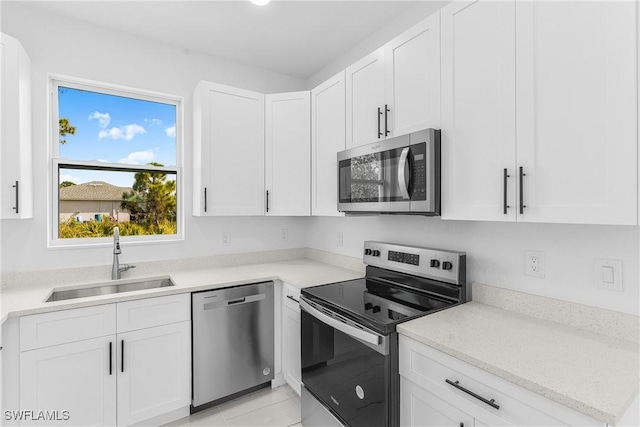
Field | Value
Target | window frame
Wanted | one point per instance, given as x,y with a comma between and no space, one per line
54,162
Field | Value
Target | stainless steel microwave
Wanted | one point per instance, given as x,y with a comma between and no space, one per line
399,175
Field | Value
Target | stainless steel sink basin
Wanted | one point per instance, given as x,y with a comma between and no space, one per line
109,288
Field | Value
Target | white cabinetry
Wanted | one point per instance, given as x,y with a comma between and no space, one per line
327,139
15,143
526,85
436,385
288,153
228,151
78,361
396,89
291,342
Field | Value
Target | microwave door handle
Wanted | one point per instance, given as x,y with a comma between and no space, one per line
342,327
402,179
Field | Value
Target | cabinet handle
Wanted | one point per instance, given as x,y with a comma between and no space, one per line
386,122
122,356
17,206
461,424
457,385
293,299
505,206
379,131
522,205
267,201
110,357
205,199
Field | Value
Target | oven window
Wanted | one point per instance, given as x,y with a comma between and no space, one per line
347,376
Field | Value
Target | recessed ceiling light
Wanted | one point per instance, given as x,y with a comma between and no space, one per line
260,2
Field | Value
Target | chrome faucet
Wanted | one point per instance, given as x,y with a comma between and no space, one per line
117,269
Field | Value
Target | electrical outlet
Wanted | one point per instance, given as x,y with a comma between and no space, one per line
340,240
284,235
608,274
225,238
534,263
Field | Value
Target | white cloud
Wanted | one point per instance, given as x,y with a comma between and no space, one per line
74,179
103,118
127,132
171,131
138,158
157,122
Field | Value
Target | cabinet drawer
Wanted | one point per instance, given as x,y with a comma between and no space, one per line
61,327
430,369
292,298
149,312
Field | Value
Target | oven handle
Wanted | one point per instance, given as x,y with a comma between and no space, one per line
342,327
402,179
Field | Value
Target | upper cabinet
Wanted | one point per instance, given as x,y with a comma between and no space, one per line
327,139
15,111
228,151
539,111
288,154
396,89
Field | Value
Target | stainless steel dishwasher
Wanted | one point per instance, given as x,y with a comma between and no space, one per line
233,342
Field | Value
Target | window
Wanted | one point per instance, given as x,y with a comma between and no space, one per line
115,162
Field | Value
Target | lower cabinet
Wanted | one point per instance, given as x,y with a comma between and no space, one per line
291,354
122,378
439,390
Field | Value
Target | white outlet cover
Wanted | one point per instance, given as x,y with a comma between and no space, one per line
225,238
534,264
608,274
284,235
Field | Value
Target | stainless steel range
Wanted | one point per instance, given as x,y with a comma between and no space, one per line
349,339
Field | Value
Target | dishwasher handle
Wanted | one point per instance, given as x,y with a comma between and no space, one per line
235,301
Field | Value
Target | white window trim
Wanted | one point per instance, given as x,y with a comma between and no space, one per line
54,161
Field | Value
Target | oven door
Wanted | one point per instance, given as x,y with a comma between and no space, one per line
349,370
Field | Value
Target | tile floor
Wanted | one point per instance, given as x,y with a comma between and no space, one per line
277,407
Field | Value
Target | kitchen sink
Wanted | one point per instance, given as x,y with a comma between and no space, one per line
109,288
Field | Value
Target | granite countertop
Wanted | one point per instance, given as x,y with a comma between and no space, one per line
302,272
594,374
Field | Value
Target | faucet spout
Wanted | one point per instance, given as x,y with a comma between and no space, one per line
116,269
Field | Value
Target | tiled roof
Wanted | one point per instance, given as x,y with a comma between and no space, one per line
94,190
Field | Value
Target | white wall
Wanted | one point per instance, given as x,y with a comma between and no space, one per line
495,252
60,45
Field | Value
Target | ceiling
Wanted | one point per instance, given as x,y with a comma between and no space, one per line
294,37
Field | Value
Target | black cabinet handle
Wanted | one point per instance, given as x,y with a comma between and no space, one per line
122,356
267,200
293,299
505,206
110,357
461,424
457,385
17,206
379,131
205,199
522,205
386,121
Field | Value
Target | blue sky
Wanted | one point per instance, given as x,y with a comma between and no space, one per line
115,129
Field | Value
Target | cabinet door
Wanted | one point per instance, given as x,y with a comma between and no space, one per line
16,198
478,110
577,111
327,139
421,408
228,151
412,63
288,153
154,373
74,377
366,99
291,363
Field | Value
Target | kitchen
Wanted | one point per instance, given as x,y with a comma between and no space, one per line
496,250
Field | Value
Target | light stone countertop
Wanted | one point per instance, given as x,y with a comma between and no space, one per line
302,272
594,374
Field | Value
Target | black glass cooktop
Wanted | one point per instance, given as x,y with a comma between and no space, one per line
383,299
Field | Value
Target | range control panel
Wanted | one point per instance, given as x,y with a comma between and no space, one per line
444,265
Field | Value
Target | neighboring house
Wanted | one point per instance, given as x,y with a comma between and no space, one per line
92,200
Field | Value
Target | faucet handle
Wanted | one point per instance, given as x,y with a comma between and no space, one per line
125,267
